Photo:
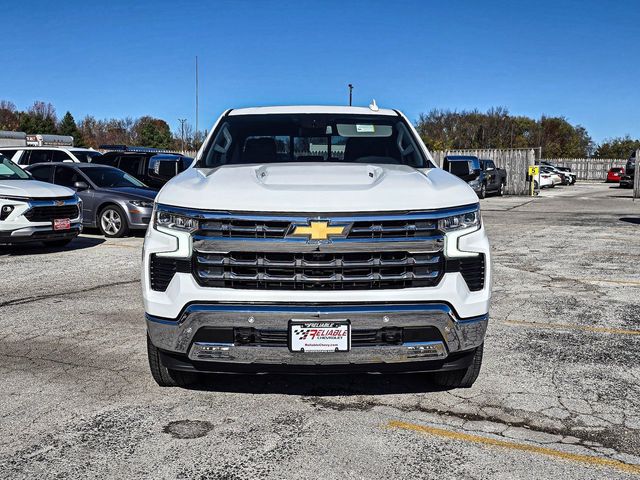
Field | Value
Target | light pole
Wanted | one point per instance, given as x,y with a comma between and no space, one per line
182,121
350,94
196,136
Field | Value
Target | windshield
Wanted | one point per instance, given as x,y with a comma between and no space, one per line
111,178
251,139
85,157
10,171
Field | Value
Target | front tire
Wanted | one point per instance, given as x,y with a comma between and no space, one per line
461,378
483,191
112,222
165,377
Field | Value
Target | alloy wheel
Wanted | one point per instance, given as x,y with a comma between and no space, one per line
111,222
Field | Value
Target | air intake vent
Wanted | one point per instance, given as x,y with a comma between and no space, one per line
162,270
472,270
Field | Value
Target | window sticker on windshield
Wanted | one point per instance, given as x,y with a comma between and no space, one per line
365,128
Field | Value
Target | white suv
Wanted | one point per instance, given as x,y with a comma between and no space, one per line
33,211
31,155
316,239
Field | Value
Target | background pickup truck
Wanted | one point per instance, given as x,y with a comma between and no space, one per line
481,175
495,178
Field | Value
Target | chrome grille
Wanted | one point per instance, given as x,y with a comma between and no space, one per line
261,228
318,270
237,228
393,229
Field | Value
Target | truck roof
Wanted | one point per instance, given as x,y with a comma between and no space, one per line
317,109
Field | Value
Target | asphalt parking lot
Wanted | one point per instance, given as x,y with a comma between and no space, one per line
558,396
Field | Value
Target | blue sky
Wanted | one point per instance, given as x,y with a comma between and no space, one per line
579,59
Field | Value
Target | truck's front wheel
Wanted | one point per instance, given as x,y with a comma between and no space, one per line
461,378
164,376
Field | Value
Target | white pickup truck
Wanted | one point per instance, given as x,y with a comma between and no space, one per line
316,239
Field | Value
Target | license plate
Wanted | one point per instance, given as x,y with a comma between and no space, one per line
62,224
331,336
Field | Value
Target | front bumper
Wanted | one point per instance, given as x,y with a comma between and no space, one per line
19,228
176,336
138,217
39,234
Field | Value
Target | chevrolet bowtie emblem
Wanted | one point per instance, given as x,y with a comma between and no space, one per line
318,230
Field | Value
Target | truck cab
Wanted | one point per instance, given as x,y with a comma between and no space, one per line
316,239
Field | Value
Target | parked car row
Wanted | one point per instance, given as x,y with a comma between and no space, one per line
552,175
48,194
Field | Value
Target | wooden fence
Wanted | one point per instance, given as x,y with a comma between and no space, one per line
514,160
588,168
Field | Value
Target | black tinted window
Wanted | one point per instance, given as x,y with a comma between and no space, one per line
459,168
37,156
8,153
41,173
111,178
105,160
247,139
60,156
67,176
131,164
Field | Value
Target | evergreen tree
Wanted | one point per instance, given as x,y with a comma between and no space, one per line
68,126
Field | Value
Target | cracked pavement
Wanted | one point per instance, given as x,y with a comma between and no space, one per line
561,371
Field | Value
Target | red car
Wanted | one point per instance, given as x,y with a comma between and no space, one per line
614,174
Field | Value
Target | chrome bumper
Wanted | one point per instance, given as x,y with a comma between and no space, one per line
175,335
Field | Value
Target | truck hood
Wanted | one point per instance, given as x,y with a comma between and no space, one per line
33,189
316,187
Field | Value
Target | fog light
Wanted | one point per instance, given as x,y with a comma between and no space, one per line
210,350
5,211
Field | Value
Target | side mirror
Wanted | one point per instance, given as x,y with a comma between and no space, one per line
80,186
166,169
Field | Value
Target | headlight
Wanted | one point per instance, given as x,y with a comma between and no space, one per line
174,221
460,222
142,203
474,183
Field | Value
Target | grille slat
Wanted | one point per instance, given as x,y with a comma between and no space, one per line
50,213
318,271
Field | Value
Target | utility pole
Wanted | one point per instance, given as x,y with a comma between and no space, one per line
182,122
350,94
197,133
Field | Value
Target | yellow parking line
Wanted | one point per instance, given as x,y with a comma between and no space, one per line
467,437
586,328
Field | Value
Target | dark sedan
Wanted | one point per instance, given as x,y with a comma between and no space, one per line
112,200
